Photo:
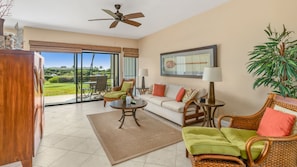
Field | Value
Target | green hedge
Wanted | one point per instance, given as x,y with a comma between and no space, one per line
61,79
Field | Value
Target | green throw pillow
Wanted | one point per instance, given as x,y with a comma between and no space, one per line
126,86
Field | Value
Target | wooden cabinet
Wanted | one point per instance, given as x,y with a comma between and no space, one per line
21,105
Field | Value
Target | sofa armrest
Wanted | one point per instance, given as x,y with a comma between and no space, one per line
275,148
194,116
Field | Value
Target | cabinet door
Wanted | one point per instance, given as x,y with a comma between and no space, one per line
16,106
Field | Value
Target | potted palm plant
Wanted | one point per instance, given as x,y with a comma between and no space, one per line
274,63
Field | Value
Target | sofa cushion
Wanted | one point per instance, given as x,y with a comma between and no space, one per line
180,95
172,90
275,123
203,140
159,90
174,105
146,96
159,100
239,137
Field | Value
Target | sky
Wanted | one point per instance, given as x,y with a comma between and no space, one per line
55,59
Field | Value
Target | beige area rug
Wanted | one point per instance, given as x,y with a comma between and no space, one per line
131,140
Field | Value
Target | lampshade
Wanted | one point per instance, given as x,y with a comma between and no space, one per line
212,74
143,72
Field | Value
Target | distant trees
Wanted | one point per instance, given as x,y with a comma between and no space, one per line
65,74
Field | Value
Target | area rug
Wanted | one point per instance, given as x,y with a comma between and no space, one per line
131,140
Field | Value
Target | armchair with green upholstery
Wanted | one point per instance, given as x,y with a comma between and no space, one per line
242,144
126,88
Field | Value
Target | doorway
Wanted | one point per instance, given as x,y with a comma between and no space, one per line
71,77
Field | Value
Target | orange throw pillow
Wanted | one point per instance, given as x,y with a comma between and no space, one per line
159,90
276,123
180,95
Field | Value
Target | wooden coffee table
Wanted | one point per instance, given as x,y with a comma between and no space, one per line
128,109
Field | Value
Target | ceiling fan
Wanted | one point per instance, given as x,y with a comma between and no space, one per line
120,17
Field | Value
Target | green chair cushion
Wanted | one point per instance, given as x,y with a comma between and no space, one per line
114,94
239,137
204,140
126,86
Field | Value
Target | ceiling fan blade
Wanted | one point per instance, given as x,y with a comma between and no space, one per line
100,19
133,23
133,15
114,24
110,13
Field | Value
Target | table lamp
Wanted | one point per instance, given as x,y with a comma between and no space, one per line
212,74
143,72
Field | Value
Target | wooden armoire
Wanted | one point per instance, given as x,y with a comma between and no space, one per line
21,105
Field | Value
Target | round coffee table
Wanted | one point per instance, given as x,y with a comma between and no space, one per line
128,109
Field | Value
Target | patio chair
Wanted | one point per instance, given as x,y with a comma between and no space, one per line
126,88
101,85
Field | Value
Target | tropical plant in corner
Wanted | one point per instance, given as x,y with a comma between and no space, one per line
274,63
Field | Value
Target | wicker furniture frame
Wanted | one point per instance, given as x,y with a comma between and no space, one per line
129,92
278,151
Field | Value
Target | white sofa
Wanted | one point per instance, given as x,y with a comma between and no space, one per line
178,112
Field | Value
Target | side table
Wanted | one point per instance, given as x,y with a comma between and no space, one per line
142,90
209,110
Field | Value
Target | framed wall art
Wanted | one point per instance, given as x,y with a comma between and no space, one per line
188,63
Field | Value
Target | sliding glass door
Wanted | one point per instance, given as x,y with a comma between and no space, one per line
73,77
92,70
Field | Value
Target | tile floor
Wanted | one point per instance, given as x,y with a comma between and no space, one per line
69,141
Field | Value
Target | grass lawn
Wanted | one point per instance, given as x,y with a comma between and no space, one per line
54,89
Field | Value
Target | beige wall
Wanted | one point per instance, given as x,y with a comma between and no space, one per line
235,27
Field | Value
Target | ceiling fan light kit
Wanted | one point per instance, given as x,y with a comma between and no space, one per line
120,17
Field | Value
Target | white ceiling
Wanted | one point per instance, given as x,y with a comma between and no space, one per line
73,15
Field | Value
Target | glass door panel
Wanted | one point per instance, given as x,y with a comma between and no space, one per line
59,70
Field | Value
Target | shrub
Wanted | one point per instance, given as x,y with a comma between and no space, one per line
54,79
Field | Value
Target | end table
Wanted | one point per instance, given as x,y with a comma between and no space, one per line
142,90
209,111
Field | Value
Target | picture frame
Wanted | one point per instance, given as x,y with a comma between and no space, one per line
188,63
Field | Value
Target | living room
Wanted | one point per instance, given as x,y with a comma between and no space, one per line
235,27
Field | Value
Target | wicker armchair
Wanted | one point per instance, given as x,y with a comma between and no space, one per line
279,151
117,92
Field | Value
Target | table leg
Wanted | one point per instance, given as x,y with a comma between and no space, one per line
213,113
134,116
209,117
122,118
205,116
